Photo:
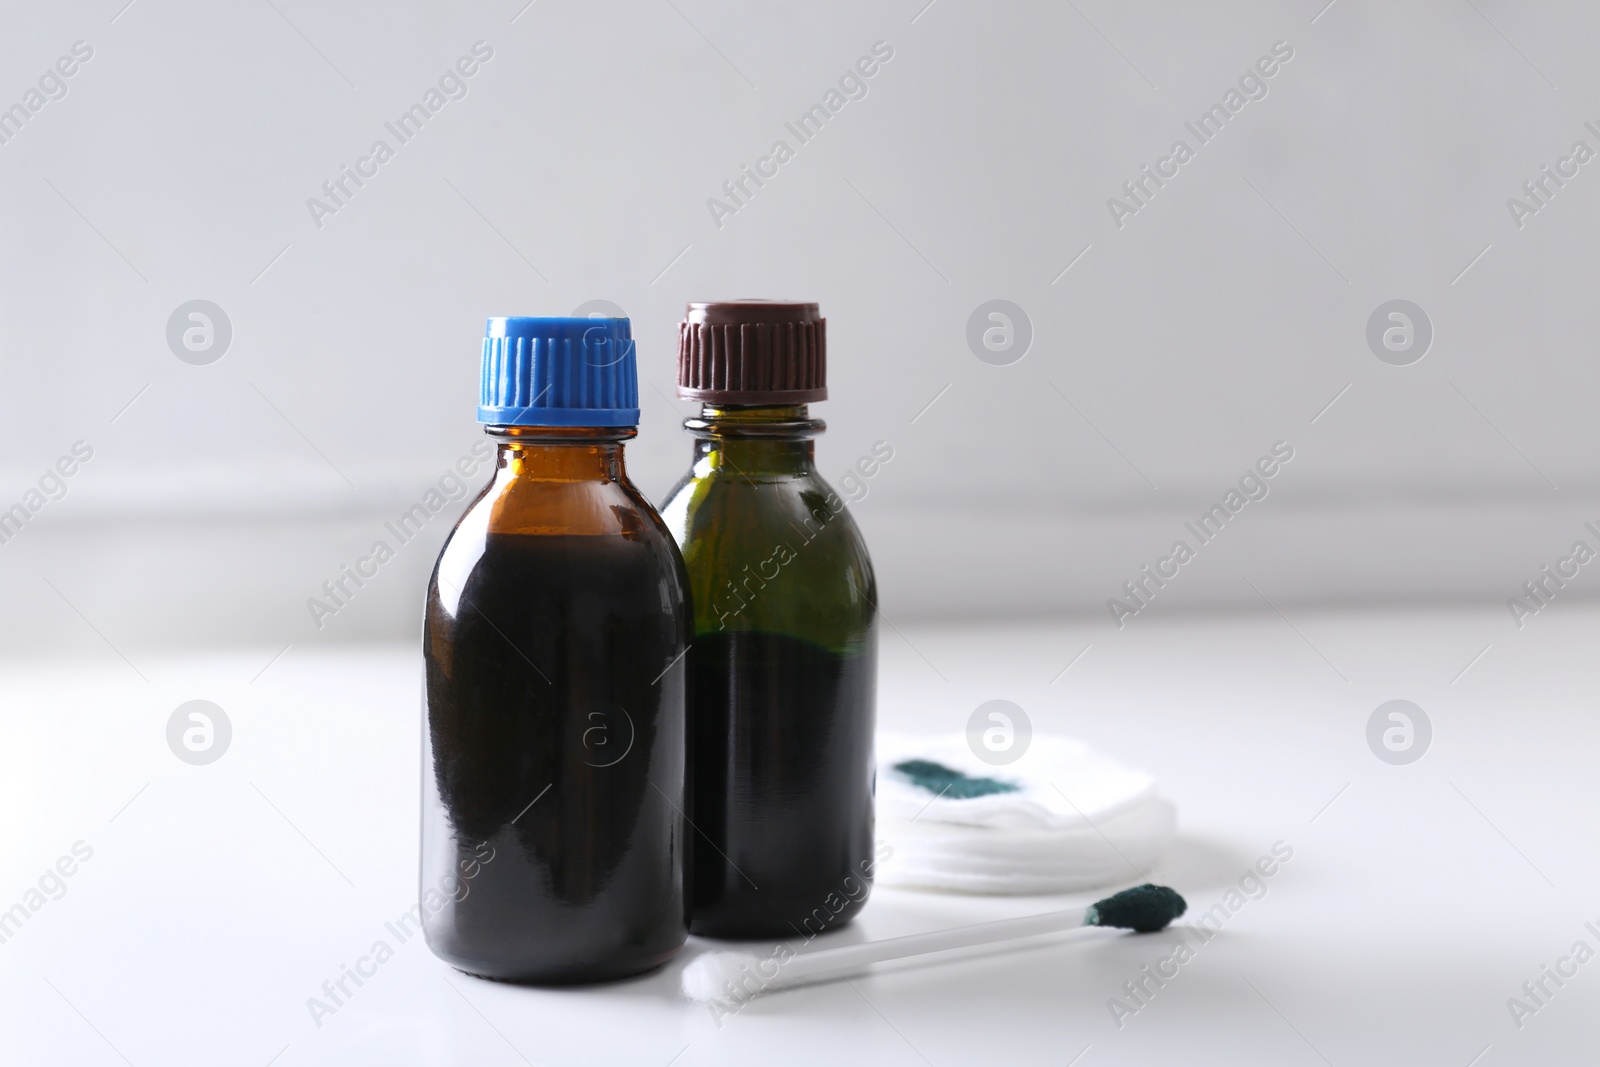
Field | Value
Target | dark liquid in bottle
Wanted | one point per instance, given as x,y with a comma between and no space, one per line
783,760
554,741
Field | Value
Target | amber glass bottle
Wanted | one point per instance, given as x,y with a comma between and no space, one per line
556,627
783,668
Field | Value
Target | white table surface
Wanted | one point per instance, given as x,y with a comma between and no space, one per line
219,898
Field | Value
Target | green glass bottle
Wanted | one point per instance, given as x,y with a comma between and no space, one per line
783,665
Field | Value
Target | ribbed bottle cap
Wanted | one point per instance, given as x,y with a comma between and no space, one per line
558,372
753,352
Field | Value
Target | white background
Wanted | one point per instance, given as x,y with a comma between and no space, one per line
1168,354
1222,318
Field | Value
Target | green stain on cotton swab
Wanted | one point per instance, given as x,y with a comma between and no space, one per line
938,779
1145,908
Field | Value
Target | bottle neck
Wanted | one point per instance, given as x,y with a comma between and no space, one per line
755,441
561,453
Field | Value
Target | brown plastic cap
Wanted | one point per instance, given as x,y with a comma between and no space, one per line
753,352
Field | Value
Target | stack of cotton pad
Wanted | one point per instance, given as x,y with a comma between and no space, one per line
1061,818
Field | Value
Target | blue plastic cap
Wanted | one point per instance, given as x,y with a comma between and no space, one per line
558,372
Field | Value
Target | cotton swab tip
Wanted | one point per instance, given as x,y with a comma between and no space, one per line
1144,908
730,977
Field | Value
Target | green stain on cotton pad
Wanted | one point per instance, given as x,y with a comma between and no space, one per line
938,779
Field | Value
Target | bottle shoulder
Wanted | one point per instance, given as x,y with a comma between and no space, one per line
578,507
779,554
612,510
699,500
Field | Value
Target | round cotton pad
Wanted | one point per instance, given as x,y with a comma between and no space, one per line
1062,818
